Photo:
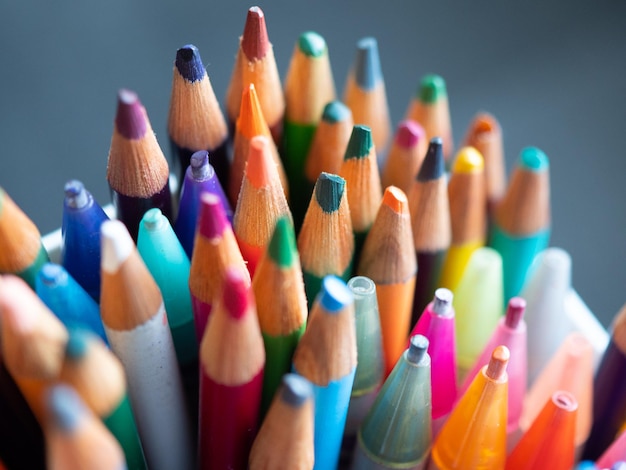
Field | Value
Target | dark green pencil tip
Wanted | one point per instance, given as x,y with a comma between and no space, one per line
329,191
335,111
432,88
282,248
360,143
312,44
433,165
533,159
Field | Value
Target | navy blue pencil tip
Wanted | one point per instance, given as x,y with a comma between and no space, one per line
189,63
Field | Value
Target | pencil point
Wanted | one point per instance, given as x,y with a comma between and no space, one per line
258,167
533,159
515,312
254,41
468,160
496,369
396,200
334,294
117,245
236,293
564,400
66,408
199,163
329,191
367,70
433,165
75,194
282,248
52,274
418,345
409,133
77,343
130,119
335,111
432,88
251,121
312,44
153,219
212,219
296,389
360,142
442,303
189,64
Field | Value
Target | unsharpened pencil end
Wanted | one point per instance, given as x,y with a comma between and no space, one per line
335,111
442,303
468,160
334,294
236,293
117,245
409,133
296,390
329,191
312,44
496,369
254,41
433,166
367,70
212,219
66,408
130,119
533,159
432,88
360,143
515,312
189,64
76,195
282,248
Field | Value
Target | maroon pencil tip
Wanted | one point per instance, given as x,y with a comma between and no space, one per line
255,42
130,119
212,220
236,293
515,312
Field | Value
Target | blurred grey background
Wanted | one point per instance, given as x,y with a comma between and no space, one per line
553,73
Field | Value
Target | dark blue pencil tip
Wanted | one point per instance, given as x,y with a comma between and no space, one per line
52,274
433,165
76,196
296,389
417,349
329,191
334,294
189,63
367,70
200,165
77,343
335,111
66,407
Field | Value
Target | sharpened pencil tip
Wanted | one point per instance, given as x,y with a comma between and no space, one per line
442,303
212,219
533,159
329,191
564,400
153,219
236,292
66,407
496,369
334,294
418,346
76,195
367,70
433,166
282,248
432,88
312,44
515,312
130,119
335,111
189,64
260,167
360,143
409,133
255,42
52,274
296,390
395,199
199,164
117,245
468,160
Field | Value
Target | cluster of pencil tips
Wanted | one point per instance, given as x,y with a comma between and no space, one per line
301,302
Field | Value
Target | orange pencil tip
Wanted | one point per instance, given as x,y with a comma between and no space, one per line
259,166
251,121
396,200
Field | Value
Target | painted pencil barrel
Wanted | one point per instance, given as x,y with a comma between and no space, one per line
456,260
219,157
30,273
122,425
429,267
131,209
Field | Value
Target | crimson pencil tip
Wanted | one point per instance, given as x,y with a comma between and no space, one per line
255,42
409,133
130,119
212,219
236,293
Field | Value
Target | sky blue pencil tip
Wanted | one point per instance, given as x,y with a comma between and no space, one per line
335,111
533,159
52,274
334,294
367,70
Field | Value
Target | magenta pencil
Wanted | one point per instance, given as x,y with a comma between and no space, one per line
232,360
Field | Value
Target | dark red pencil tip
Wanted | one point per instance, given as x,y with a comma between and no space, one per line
515,312
255,42
212,220
130,119
236,293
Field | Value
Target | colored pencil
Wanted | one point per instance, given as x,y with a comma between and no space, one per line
615,453
549,443
250,123
329,143
261,202
370,369
521,227
137,170
195,121
609,392
405,157
309,86
478,306
75,438
80,252
68,300
215,250
388,258
430,221
430,108
97,376
570,370
545,292
21,250
510,332
255,63
200,177
360,170
326,356
232,360
365,93
485,135
285,439
475,434
437,325
396,432
326,242
466,193
136,324
282,317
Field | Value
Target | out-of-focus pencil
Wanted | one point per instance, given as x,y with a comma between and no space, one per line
405,157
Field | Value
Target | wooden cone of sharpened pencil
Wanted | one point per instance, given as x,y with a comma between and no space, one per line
136,324
388,258
75,438
232,360
250,123
282,318
98,377
195,120
21,250
285,439
326,241
215,250
365,92
260,203
137,170
405,156
255,63
430,221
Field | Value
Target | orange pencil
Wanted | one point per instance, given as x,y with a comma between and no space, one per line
388,258
250,123
260,204
405,156
255,63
